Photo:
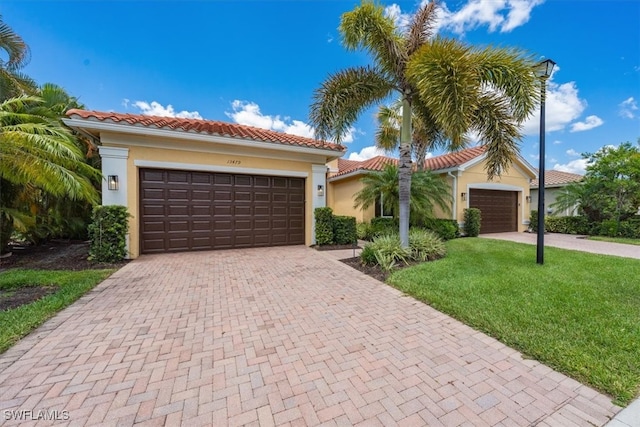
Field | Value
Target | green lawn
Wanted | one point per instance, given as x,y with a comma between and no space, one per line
18,322
578,313
616,240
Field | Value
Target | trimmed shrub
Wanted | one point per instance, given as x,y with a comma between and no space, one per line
426,245
566,224
107,233
324,226
384,226
609,228
445,228
344,230
472,218
533,221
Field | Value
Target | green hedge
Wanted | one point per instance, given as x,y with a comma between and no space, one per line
344,230
334,229
107,233
472,220
566,224
384,226
324,226
447,229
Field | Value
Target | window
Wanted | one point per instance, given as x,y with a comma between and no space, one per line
380,209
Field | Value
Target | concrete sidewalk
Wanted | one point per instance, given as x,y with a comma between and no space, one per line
275,336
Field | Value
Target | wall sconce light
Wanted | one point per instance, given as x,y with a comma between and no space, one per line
463,196
528,199
112,182
320,190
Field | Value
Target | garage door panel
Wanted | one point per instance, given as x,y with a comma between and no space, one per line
498,210
185,210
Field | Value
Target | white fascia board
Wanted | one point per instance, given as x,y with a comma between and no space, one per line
349,175
194,136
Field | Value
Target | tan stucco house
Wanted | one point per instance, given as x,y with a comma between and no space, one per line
504,202
195,184
555,183
198,184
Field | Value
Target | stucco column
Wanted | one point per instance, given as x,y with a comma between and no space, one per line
114,162
318,180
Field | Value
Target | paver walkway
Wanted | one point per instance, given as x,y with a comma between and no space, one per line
573,242
278,336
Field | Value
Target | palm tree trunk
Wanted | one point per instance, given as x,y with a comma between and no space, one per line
404,172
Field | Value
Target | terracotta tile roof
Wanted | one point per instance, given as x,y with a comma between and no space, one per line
452,160
445,161
556,178
210,127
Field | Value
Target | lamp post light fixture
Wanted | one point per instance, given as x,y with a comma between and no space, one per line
543,72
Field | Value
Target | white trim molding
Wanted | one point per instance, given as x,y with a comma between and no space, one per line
216,168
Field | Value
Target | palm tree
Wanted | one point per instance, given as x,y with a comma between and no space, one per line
12,81
451,86
37,152
425,135
427,192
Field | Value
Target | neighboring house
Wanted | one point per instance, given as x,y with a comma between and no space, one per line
554,184
503,201
195,184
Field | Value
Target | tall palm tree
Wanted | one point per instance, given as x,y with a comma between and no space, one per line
452,86
425,135
37,151
427,192
12,81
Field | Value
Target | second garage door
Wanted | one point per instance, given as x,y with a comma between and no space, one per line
185,210
498,209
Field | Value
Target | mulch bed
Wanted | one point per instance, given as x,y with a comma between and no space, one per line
371,270
54,255
334,247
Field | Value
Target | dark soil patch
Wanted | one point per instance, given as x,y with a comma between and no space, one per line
371,270
334,247
55,255
13,298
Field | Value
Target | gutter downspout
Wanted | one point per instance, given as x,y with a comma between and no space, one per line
454,213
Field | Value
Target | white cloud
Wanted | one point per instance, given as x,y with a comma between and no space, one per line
573,153
502,15
156,109
401,20
628,108
248,113
557,141
563,105
367,153
574,166
589,123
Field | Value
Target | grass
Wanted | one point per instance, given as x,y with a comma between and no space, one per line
18,322
624,240
578,313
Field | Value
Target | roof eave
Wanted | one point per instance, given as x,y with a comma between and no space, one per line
95,125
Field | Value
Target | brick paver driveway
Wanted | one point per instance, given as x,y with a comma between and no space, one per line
274,336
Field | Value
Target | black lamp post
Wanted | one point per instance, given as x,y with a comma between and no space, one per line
543,71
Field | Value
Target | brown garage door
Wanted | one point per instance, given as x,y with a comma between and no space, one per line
186,211
498,209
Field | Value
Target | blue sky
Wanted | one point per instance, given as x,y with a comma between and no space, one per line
258,62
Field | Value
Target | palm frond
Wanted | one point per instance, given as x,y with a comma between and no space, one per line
342,96
421,26
15,47
511,73
366,27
